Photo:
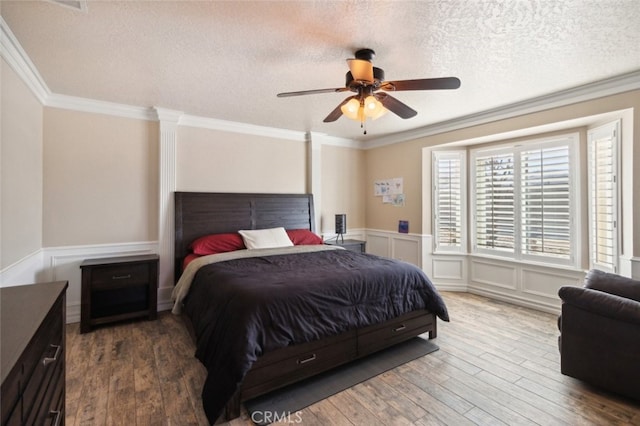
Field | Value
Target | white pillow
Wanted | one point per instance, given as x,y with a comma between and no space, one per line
265,238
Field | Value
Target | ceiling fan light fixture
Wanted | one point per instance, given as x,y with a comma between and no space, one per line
366,81
373,108
351,109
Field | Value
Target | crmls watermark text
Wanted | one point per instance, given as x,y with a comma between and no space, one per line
275,416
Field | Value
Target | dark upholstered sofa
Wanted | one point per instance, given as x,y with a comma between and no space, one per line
600,332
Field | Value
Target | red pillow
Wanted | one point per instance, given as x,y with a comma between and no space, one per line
188,259
303,237
217,243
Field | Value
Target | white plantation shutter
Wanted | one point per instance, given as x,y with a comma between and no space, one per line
545,202
448,200
603,197
494,202
524,200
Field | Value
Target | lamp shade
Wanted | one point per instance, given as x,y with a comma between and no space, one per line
341,224
373,108
351,108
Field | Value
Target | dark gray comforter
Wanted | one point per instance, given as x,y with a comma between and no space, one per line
243,308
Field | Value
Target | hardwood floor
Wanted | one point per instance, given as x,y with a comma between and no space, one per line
498,364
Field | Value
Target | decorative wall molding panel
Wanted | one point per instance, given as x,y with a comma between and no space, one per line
491,274
630,267
635,268
520,283
406,247
448,269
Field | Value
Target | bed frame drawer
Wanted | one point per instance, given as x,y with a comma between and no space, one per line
274,371
376,337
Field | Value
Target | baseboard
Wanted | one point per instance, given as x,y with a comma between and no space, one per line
459,288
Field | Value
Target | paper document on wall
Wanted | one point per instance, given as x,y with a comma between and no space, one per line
396,199
393,186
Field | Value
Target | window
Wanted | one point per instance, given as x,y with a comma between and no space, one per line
546,201
448,195
494,202
603,196
522,201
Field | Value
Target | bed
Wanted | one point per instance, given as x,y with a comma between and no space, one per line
300,310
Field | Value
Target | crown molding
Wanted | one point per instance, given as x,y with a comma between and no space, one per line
610,86
167,115
13,53
237,127
325,139
75,103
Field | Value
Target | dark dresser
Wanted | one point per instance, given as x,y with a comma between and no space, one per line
32,339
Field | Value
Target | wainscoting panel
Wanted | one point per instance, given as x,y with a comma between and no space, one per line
405,247
448,269
524,284
378,244
546,283
493,274
635,268
407,250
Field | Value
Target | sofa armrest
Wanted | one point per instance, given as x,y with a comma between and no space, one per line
601,303
613,284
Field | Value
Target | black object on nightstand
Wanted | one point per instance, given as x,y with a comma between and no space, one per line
118,288
353,245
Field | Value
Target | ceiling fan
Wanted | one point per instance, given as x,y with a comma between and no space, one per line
366,80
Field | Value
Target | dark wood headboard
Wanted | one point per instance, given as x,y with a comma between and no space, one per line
202,213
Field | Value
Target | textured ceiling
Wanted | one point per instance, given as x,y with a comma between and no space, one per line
228,60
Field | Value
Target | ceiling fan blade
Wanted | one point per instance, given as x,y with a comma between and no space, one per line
395,106
312,92
361,70
422,84
337,113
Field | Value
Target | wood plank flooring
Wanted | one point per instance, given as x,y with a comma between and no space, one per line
498,364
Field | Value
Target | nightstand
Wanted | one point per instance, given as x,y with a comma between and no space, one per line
118,288
353,245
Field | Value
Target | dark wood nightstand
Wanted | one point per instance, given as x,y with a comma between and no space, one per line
118,288
353,245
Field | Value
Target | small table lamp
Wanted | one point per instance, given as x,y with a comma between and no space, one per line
341,226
